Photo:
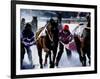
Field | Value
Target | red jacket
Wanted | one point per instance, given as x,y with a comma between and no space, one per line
65,37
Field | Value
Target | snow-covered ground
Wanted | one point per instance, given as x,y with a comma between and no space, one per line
64,62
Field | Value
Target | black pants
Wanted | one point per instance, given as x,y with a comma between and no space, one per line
61,50
22,54
29,52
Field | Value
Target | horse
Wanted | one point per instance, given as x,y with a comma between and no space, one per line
49,41
83,44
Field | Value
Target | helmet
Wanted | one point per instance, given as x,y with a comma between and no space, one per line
28,26
66,27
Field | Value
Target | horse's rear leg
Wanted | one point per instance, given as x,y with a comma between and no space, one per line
84,56
78,46
46,56
84,60
40,57
80,56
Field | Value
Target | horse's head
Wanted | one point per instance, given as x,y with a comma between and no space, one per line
52,29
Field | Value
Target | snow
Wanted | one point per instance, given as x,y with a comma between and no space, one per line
64,62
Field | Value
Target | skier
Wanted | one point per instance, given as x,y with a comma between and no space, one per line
64,38
27,40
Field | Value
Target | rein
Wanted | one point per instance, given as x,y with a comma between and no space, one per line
49,35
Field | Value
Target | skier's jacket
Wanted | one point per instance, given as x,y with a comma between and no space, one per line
65,37
27,38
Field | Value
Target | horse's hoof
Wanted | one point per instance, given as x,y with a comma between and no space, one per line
41,67
83,64
51,66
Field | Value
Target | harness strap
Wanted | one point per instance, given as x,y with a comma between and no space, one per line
47,33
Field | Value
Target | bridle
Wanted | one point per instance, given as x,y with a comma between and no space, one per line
51,39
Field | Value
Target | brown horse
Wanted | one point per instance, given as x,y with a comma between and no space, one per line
49,42
83,45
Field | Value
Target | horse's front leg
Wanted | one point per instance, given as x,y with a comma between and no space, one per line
54,56
50,59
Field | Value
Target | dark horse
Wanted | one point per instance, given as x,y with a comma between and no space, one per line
83,45
48,42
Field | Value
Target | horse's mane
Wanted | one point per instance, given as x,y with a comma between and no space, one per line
39,31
